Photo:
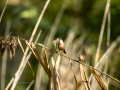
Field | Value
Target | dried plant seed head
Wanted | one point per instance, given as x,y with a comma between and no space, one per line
2,46
13,46
2,51
10,42
55,41
7,41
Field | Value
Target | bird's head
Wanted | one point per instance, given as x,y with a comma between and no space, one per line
61,41
81,57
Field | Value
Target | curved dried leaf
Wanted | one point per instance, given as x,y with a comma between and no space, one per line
46,62
30,48
84,78
99,79
74,76
45,57
40,60
37,55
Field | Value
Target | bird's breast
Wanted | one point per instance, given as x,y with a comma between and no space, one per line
61,46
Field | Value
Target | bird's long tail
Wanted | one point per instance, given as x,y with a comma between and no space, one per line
64,51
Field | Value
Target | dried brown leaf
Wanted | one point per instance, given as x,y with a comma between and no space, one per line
31,49
12,45
99,79
46,62
10,42
84,78
2,46
36,54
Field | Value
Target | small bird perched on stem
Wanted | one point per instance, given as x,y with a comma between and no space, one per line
61,46
81,57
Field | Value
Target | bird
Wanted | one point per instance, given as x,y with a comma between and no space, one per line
61,46
81,57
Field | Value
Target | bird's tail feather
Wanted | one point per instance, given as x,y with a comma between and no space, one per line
64,51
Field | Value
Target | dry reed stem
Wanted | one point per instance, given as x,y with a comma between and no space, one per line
39,19
102,31
11,81
26,57
50,36
3,69
113,45
51,86
99,80
53,64
9,84
19,71
49,39
110,49
55,75
58,77
84,78
74,76
108,30
3,10
21,68
32,82
108,41
4,58
108,44
100,39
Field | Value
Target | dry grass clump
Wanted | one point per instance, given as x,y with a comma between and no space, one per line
56,78
63,71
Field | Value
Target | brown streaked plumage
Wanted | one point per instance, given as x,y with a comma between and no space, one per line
61,46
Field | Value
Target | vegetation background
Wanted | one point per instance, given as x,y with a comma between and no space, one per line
79,27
